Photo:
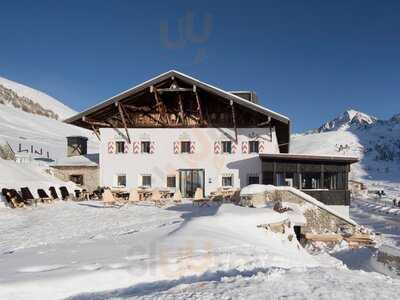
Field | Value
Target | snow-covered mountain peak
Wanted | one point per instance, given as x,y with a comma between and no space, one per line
349,119
32,101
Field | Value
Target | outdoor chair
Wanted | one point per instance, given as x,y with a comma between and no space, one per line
64,193
156,198
53,193
17,199
109,199
44,196
7,197
27,196
134,196
177,196
199,198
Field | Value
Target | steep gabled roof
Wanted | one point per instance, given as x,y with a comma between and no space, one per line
185,78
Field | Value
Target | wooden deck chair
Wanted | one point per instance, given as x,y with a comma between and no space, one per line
53,193
156,198
177,196
43,195
199,198
64,193
134,196
27,196
108,198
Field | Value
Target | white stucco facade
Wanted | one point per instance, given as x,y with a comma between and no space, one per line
165,160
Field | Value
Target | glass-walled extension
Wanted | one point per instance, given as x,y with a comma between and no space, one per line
323,177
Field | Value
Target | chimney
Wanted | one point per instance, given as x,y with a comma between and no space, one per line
246,95
76,145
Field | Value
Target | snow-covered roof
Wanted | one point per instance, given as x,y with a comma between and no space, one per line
88,160
187,78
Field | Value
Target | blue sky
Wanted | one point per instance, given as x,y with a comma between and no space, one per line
309,61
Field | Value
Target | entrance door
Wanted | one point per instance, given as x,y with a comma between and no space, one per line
190,180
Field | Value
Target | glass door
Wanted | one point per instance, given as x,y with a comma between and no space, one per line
190,180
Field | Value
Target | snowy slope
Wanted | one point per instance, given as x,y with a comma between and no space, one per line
29,130
39,97
376,144
33,130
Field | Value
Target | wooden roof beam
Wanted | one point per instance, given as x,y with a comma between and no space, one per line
234,121
198,104
94,122
123,120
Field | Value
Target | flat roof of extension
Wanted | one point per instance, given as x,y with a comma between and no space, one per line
309,158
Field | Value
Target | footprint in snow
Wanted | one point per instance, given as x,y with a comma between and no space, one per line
38,269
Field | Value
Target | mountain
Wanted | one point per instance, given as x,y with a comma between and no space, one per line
33,101
375,142
349,119
30,123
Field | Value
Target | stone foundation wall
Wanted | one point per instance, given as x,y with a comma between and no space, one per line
317,219
91,175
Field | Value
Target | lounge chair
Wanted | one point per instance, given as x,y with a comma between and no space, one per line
27,196
53,193
199,198
17,200
134,196
177,196
44,196
7,197
108,198
64,193
156,198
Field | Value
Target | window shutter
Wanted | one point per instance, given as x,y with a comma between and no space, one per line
234,147
245,147
217,147
176,147
192,147
126,147
136,147
261,147
152,147
111,147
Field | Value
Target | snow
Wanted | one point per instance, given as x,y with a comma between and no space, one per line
254,189
39,97
18,127
260,188
15,176
81,160
349,119
85,251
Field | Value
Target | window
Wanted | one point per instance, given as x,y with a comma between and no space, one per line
310,180
77,179
145,147
227,180
120,147
121,180
334,181
171,181
185,147
226,147
253,146
146,180
253,179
